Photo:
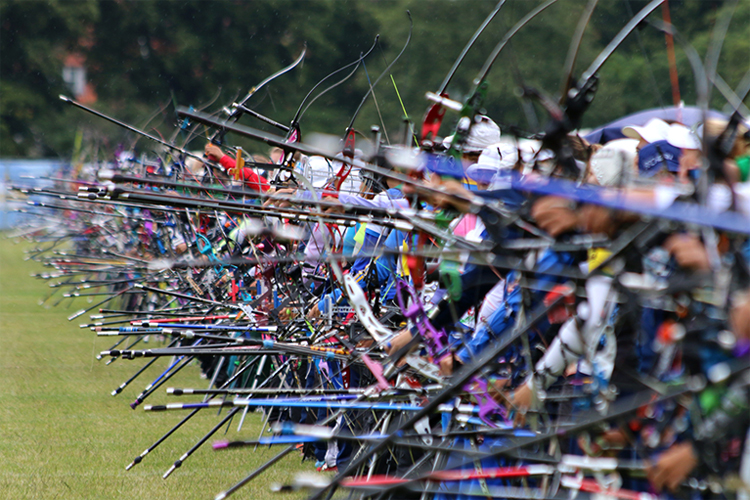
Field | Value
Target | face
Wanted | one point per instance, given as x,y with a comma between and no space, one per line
468,159
691,157
276,155
432,181
689,160
408,189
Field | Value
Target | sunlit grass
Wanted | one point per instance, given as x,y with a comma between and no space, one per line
64,436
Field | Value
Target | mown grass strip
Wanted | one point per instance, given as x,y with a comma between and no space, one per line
64,436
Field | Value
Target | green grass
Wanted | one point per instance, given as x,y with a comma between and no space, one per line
62,435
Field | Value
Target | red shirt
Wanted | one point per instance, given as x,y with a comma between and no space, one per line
251,179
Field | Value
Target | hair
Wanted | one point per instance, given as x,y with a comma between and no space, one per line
472,154
582,150
260,158
194,165
714,128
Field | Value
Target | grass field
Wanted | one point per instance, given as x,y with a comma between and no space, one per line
62,435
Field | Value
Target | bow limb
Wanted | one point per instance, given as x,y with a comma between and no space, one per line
714,162
734,100
238,109
357,298
717,41
716,149
743,88
447,80
434,116
435,340
575,45
301,111
476,97
597,64
578,98
528,108
262,84
385,72
482,76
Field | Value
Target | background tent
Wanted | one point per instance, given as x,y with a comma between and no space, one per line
690,116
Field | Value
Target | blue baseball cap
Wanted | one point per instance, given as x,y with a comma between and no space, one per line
445,166
652,158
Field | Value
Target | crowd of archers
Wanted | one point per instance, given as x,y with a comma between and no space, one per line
483,315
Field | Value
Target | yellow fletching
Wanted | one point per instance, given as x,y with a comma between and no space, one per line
239,165
596,256
404,262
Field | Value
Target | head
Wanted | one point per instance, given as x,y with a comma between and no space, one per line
683,138
714,128
436,170
483,133
581,150
493,162
276,155
194,166
736,164
659,159
654,130
612,164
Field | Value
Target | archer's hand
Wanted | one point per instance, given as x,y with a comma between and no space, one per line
688,251
554,215
443,193
337,209
740,316
281,203
400,340
611,439
288,314
594,219
521,402
673,467
314,312
446,366
213,152
455,194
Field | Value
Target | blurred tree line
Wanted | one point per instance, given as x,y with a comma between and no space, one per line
143,58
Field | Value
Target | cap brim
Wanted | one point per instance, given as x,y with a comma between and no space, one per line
633,132
481,174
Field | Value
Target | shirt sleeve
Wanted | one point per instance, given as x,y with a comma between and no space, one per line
227,162
377,202
251,179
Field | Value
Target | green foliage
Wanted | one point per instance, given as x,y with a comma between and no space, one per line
34,39
145,57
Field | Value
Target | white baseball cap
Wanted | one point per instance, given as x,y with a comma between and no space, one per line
681,137
494,159
654,130
485,132
612,164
